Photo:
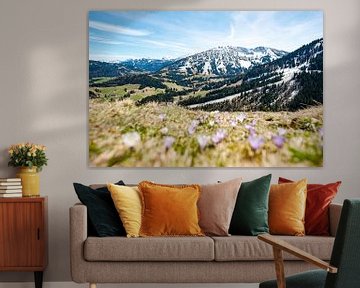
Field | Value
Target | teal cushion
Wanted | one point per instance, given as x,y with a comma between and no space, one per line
309,279
250,216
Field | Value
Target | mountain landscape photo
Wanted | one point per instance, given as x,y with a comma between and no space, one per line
223,89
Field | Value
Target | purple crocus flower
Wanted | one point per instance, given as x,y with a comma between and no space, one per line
255,141
203,141
192,127
218,136
241,117
278,141
168,142
251,129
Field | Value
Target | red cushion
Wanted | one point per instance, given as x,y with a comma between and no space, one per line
319,197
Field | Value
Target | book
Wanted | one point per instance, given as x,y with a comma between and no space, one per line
10,187
10,191
10,195
10,180
10,183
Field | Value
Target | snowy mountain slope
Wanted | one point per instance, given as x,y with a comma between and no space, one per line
290,82
226,60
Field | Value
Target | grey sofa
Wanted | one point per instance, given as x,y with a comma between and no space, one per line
234,259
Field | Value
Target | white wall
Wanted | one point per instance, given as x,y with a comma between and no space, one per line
43,90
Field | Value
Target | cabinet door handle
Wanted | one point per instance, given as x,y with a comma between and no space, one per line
38,234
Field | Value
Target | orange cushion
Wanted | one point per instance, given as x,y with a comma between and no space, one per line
318,200
287,204
169,210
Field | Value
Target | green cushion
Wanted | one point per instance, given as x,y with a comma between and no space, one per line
250,216
309,279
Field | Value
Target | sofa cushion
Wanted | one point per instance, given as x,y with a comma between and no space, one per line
318,199
287,204
169,210
102,216
149,249
216,206
250,216
127,201
244,248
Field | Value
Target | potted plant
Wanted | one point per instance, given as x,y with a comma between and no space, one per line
30,158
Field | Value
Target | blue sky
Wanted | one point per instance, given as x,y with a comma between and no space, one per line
121,35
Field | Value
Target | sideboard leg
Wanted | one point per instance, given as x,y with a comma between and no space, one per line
38,279
92,285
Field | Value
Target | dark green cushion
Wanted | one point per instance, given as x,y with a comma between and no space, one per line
250,216
103,218
309,279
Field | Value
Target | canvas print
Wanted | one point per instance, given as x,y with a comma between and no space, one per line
205,89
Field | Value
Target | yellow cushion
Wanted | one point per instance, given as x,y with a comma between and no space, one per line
287,204
127,201
169,210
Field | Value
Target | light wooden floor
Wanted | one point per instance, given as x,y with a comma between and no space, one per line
74,285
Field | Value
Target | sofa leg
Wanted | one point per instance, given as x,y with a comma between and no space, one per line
92,285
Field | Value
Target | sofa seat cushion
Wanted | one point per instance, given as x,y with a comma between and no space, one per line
244,248
149,249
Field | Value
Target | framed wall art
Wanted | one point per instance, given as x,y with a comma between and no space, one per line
205,88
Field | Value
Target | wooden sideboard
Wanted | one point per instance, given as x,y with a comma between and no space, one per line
23,235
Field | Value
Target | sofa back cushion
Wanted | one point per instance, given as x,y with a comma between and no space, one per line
127,201
216,206
287,208
102,215
169,210
250,215
318,200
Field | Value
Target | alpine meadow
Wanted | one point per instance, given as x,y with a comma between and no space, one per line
205,89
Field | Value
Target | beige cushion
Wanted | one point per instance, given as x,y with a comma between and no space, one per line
149,249
216,206
242,248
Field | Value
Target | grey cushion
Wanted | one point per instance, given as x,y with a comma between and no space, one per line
243,248
310,279
149,249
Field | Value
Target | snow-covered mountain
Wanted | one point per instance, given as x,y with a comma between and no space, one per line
226,60
290,82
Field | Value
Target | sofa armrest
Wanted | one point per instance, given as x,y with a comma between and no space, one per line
78,235
334,216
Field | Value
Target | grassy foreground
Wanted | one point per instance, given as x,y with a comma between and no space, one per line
122,134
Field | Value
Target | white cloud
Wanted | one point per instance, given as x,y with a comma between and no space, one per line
168,44
117,29
106,41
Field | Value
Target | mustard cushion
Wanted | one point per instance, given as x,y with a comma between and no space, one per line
169,210
127,201
287,204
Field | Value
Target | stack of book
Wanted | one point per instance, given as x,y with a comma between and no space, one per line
10,187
